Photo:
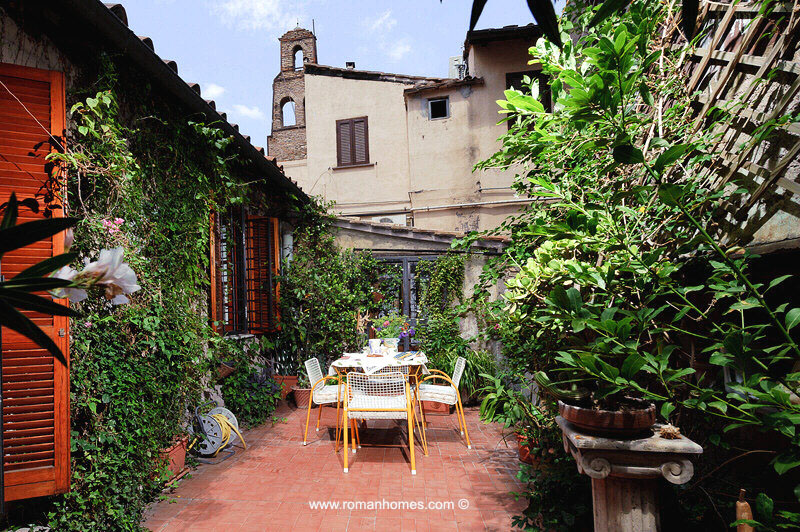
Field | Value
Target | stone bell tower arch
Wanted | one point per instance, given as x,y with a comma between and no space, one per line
288,139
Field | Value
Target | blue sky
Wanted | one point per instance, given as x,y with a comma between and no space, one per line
230,47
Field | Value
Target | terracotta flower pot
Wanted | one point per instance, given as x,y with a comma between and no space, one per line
634,420
524,450
287,382
223,370
301,396
175,456
435,408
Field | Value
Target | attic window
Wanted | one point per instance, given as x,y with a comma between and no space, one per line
438,108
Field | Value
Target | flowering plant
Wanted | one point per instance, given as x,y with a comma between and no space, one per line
395,326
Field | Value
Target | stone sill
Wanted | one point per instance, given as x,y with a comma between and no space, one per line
365,165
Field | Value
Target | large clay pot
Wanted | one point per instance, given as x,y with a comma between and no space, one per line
436,408
622,424
288,381
524,450
301,396
175,456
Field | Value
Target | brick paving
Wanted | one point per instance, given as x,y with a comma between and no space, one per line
269,485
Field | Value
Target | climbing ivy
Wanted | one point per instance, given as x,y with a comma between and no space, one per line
145,178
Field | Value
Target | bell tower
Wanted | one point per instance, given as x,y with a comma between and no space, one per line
288,139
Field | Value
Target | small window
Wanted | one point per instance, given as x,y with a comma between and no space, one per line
438,108
352,141
287,113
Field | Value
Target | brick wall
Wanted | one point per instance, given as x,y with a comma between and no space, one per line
289,143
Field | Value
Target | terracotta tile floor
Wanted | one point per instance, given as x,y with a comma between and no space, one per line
269,486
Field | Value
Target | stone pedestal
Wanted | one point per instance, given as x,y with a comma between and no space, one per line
625,475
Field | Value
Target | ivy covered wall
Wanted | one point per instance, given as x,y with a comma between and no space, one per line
143,175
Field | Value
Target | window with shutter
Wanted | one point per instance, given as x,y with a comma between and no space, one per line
230,301
35,386
352,141
245,258
263,252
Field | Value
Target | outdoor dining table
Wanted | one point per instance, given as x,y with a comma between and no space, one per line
414,360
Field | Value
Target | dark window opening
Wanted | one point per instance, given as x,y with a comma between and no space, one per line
352,141
438,108
247,259
538,80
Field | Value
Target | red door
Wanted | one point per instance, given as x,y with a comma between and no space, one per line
35,386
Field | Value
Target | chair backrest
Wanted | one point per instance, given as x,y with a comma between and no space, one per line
458,371
313,369
377,391
393,369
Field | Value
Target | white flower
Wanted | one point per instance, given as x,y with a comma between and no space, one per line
110,272
75,294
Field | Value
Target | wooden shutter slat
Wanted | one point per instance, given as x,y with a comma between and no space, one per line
360,141
344,144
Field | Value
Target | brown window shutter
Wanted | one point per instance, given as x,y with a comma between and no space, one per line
35,386
262,270
344,142
231,296
360,141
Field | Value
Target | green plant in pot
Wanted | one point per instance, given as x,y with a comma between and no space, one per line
532,423
393,328
302,390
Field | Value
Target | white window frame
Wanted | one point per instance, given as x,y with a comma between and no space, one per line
438,98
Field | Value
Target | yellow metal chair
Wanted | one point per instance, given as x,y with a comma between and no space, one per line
378,396
322,394
447,394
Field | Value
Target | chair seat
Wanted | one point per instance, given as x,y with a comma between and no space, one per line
327,394
374,403
437,393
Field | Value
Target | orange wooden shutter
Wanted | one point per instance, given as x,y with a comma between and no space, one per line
35,386
263,258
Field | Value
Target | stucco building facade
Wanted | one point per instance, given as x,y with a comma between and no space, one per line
400,149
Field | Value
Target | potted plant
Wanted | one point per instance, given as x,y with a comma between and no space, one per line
302,391
393,328
174,456
284,366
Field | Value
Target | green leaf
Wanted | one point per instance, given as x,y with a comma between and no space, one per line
12,210
608,8
670,156
666,410
16,321
628,154
670,194
764,506
632,364
24,234
784,462
658,142
792,318
35,284
26,301
47,266
645,93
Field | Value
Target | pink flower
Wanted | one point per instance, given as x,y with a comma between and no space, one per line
119,221
88,324
386,323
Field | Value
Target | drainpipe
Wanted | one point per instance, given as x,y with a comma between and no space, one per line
446,206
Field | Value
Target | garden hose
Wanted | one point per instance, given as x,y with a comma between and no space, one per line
226,426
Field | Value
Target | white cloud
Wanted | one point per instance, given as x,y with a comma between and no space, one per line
248,112
384,22
212,90
269,15
397,49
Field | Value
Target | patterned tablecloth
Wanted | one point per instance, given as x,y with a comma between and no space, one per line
371,364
